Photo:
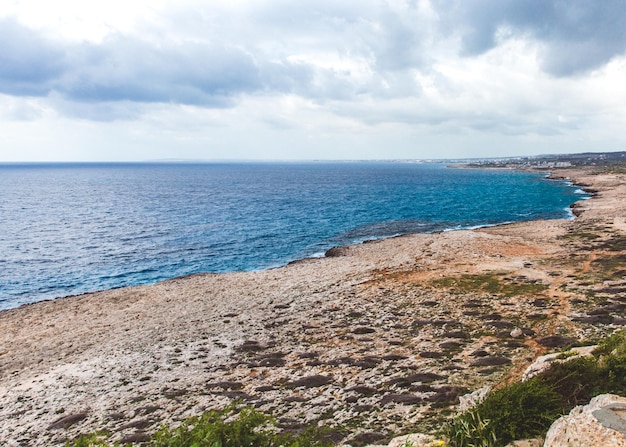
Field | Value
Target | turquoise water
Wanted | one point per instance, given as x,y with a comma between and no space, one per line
66,229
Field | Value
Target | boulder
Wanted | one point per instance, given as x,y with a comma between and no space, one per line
602,422
335,252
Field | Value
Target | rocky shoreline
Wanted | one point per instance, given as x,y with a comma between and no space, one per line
378,340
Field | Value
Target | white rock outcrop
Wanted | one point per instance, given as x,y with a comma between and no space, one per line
472,399
600,423
526,443
413,440
543,363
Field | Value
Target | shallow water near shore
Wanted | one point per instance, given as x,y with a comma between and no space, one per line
66,229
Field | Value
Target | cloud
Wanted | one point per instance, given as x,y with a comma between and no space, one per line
350,69
129,68
197,69
126,69
211,55
577,35
29,63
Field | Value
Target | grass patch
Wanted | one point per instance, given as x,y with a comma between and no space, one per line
584,235
90,440
492,283
610,267
521,410
226,428
615,243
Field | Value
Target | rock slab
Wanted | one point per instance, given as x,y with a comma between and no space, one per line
541,364
600,423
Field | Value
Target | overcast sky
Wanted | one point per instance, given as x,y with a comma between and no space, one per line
326,79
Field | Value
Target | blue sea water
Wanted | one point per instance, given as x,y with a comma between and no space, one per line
66,229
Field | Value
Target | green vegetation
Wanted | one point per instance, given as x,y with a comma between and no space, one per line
226,428
614,345
90,440
617,242
521,410
490,283
610,267
527,409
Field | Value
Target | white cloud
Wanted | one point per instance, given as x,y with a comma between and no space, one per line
325,79
83,20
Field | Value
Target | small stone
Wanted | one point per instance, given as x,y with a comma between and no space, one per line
517,333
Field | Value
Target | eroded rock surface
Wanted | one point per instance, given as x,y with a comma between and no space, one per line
600,423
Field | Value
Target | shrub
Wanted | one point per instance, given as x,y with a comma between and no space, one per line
580,379
90,440
521,410
576,381
527,409
612,345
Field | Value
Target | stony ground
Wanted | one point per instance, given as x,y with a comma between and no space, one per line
374,340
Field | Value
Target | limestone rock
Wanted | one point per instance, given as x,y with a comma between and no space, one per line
474,398
414,440
526,443
543,363
602,422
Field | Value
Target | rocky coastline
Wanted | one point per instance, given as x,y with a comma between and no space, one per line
375,340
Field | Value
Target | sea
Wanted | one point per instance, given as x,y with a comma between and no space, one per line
67,229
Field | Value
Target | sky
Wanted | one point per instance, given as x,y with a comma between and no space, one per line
137,80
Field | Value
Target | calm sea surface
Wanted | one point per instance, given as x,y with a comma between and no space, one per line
66,229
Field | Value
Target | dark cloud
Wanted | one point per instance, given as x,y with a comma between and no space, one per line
124,69
323,50
398,45
29,64
577,35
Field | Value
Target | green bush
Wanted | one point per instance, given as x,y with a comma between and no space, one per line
576,380
581,378
211,429
613,345
527,409
521,410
